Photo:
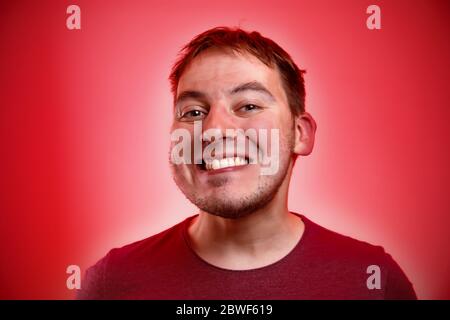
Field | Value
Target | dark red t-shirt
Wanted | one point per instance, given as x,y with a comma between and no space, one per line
323,265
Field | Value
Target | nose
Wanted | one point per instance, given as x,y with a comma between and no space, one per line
219,123
220,118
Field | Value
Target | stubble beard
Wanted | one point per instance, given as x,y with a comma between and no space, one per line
223,205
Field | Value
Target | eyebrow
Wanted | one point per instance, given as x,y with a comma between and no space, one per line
190,94
253,86
248,86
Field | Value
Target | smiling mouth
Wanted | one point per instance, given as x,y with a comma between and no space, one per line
216,164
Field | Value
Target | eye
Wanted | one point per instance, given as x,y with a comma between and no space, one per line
248,108
192,115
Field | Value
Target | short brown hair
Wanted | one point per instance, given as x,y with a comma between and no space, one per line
265,49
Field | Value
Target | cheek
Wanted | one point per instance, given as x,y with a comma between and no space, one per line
266,121
269,123
178,125
274,118
184,175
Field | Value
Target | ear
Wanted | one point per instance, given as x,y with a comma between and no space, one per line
305,131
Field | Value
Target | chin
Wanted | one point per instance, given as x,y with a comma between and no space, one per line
232,207
229,212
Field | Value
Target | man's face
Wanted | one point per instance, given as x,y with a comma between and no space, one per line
226,90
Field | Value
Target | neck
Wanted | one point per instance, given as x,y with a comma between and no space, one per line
262,237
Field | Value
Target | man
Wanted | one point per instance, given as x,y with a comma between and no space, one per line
244,243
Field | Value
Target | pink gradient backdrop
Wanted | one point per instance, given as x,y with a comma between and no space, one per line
84,123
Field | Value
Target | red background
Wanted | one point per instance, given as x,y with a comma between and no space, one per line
85,115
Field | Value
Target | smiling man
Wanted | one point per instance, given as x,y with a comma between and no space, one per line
238,110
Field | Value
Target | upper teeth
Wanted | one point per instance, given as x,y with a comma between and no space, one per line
224,163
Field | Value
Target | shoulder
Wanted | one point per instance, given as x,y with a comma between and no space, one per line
346,255
154,246
121,263
333,245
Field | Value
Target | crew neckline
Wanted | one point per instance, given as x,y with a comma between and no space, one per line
296,249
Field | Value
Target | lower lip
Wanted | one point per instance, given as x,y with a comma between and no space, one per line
223,170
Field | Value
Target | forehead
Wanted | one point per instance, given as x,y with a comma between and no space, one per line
216,71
